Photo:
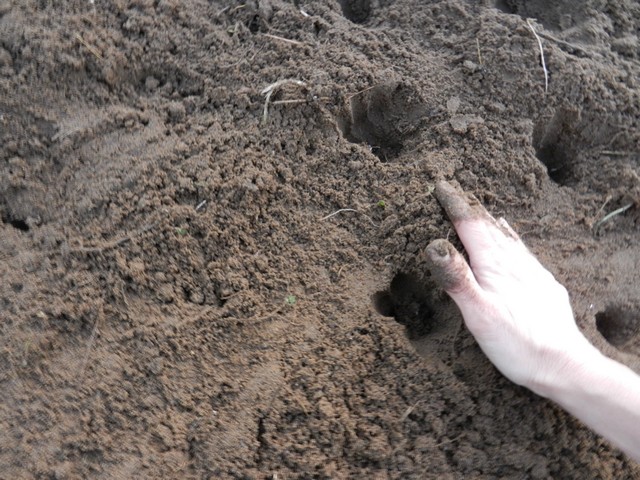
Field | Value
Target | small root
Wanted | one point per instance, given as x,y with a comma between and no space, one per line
544,65
282,39
92,49
611,215
342,210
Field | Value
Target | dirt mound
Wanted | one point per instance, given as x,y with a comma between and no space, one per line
213,213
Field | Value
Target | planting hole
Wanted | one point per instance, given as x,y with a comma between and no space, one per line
555,158
558,15
432,321
383,117
618,324
16,223
506,6
358,11
410,303
554,142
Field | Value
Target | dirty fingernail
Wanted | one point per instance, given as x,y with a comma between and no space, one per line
441,256
453,201
438,250
458,204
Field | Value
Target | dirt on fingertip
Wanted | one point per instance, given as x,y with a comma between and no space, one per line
213,218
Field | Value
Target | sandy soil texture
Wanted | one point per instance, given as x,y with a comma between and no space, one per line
213,217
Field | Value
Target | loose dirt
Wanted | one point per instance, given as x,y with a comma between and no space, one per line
176,300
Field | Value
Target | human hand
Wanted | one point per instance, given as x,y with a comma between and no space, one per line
516,310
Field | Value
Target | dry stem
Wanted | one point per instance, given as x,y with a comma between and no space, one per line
573,46
269,90
544,65
89,47
282,39
615,153
359,92
610,215
349,210
298,101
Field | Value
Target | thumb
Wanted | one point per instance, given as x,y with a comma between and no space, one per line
452,273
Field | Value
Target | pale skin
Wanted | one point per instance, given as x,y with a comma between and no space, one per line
522,319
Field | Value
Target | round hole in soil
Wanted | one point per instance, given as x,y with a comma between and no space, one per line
383,117
555,142
505,6
410,303
554,157
558,15
358,11
618,324
16,223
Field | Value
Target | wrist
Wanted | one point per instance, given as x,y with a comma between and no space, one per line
602,393
567,371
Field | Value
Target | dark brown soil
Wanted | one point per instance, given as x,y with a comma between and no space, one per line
177,299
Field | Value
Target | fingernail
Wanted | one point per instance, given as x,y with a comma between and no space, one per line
454,202
459,205
438,250
441,256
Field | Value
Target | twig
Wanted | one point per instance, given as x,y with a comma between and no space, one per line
297,101
339,272
609,216
606,201
269,90
359,92
479,54
614,138
282,39
337,212
89,47
573,46
544,65
615,153
222,11
201,205
450,440
342,210
408,411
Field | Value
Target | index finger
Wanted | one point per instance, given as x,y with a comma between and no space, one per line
478,230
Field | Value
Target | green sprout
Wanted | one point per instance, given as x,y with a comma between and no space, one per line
290,300
181,231
381,204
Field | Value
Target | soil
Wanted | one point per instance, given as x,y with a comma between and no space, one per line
202,282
